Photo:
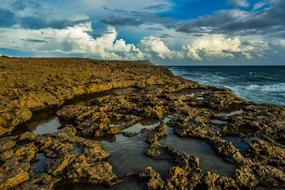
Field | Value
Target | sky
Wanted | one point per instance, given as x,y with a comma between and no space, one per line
169,32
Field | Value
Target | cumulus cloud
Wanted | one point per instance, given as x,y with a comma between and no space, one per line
70,40
77,40
206,48
154,46
212,46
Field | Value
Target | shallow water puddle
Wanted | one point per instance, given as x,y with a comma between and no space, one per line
47,126
142,125
251,140
236,112
191,93
209,160
238,143
41,163
127,156
262,117
77,151
129,183
218,122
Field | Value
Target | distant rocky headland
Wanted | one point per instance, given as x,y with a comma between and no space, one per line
68,123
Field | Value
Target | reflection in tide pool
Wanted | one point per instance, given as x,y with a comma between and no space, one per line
41,164
127,156
139,126
209,160
128,183
238,143
46,127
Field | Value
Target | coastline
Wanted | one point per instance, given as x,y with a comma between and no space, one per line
134,93
258,84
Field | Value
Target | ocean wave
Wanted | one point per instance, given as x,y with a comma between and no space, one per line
258,86
278,87
271,94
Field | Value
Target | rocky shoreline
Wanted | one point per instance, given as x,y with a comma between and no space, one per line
93,100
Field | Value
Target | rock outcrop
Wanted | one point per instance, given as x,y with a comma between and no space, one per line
98,99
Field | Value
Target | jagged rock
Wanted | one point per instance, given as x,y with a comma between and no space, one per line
24,153
186,175
245,177
11,175
152,137
227,149
27,137
270,176
154,181
158,133
39,83
267,152
7,143
214,181
253,174
129,97
195,131
90,172
43,182
13,118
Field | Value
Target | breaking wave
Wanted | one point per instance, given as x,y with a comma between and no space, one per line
257,84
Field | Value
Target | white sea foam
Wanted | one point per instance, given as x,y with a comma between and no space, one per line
257,86
278,87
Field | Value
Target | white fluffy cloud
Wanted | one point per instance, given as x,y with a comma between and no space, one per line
78,41
212,46
206,47
155,46
71,40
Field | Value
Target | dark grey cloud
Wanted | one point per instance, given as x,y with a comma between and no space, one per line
120,11
7,18
270,21
157,7
33,15
122,21
136,18
154,28
21,5
37,23
166,36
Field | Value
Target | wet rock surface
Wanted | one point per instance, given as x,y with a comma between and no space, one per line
140,125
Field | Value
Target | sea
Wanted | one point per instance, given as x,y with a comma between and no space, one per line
258,84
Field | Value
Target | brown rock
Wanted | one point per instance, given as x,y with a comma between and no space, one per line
154,180
7,143
12,175
214,181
